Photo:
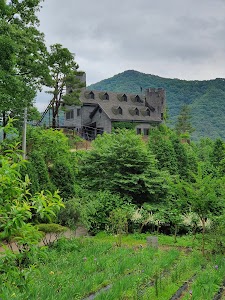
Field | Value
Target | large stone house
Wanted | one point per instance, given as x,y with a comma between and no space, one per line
101,109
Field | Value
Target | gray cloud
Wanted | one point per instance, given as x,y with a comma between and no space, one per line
182,39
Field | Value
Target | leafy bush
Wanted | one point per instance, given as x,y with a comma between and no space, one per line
70,215
62,176
38,164
52,232
91,209
51,227
122,164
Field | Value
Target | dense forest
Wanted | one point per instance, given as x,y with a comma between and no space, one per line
205,98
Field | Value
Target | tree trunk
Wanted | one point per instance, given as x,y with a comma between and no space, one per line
53,122
55,110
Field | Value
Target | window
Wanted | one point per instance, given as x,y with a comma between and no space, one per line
146,131
70,114
147,112
105,96
161,116
137,99
136,111
138,130
91,95
124,98
120,111
78,112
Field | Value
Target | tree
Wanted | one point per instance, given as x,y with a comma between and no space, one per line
218,153
181,156
161,146
183,124
23,67
17,205
18,210
204,196
64,75
63,177
53,144
49,154
121,163
203,150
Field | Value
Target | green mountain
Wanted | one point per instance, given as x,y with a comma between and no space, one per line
205,98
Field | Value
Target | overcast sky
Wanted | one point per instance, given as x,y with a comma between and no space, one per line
182,39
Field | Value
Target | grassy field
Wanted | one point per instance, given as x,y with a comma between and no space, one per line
96,268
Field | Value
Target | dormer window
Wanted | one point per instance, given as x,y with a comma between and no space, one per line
91,95
106,96
147,112
137,99
136,111
124,98
117,110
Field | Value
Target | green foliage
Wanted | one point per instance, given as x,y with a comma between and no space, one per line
62,176
216,237
183,124
23,66
123,125
64,74
92,209
121,163
72,213
204,98
17,204
130,272
30,170
119,223
161,146
53,144
37,162
55,165
192,159
18,208
203,150
218,153
181,157
51,227
204,195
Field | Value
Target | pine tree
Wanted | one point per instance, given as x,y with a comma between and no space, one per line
183,124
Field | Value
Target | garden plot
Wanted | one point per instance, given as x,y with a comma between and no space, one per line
86,269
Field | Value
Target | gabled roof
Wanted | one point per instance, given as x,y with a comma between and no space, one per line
115,101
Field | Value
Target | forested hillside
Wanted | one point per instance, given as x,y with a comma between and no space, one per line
205,98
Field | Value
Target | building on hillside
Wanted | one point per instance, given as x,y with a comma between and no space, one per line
100,110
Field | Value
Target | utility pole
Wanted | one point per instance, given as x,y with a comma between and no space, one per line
24,142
